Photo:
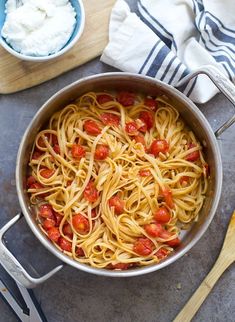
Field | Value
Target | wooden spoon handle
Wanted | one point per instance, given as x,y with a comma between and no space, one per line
192,306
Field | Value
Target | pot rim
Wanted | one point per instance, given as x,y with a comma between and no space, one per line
169,260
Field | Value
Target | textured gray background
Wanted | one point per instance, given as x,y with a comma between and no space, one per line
72,295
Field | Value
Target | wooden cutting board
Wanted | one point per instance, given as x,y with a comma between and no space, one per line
16,75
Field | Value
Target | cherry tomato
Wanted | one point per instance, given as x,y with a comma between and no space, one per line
36,155
110,119
131,128
193,156
80,224
80,252
47,173
41,142
31,180
56,148
162,215
58,218
153,229
151,103
147,118
167,194
78,151
158,146
121,266
53,234
46,211
166,235
117,203
144,173
126,98
67,230
65,244
143,246
36,186
48,223
101,152
139,139
161,253
91,127
143,128
104,98
184,180
91,194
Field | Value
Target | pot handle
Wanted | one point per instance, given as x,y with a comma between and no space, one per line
13,267
222,83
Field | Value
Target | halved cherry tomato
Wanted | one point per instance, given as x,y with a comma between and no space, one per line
53,234
31,180
143,128
58,218
110,119
131,128
151,103
56,148
158,146
36,186
126,98
48,223
161,253
121,266
143,246
139,139
162,215
104,98
65,244
193,156
117,203
153,229
147,118
48,137
91,194
36,155
101,152
46,211
80,224
144,173
91,127
47,173
184,180
167,194
67,230
166,235
80,252
78,151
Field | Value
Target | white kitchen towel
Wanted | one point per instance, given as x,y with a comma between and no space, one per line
170,38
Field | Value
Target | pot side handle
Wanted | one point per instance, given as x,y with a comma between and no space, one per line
13,267
222,83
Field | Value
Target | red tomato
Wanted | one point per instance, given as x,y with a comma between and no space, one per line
162,215
36,155
121,266
53,234
91,127
41,142
167,194
151,103
91,194
144,173
78,151
36,186
161,253
147,118
47,173
65,244
117,203
58,218
56,148
67,230
126,98
80,224
46,211
184,180
104,98
193,156
48,223
80,252
143,246
143,128
110,119
158,146
153,230
31,180
131,128
166,235
101,152
139,139
93,213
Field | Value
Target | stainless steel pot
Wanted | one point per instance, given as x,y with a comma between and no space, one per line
138,83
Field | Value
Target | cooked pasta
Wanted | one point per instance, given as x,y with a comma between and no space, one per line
115,177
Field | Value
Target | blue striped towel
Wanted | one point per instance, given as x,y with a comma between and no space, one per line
170,38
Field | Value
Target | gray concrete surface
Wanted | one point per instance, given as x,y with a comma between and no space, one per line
72,295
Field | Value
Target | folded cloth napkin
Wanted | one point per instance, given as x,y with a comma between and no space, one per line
171,38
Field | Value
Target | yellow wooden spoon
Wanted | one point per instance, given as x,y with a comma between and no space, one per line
226,258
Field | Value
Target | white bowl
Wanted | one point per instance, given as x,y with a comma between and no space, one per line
77,32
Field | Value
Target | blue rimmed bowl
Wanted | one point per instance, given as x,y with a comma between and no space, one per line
77,32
